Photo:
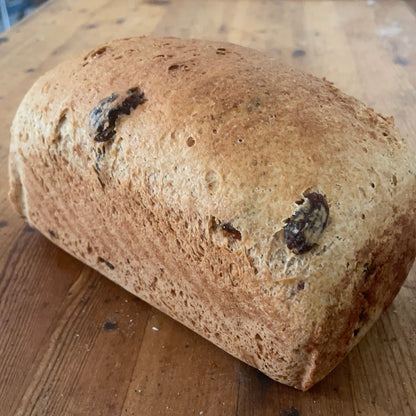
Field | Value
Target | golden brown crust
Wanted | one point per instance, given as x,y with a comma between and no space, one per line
183,200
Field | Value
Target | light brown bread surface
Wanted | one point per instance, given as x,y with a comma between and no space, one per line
183,169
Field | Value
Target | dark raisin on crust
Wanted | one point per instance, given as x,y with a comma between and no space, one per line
369,269
99,156
304,228
102,118
106,262
231,231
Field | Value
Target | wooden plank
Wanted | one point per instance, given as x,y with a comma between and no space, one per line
384,83
189,375
91,351
30,301
74,343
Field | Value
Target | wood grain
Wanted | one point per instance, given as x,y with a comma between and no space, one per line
73,343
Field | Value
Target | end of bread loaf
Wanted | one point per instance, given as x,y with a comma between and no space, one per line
16,191
257,205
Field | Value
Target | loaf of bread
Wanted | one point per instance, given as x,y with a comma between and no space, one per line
256,204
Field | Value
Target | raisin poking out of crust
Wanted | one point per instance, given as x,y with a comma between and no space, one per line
102,118
305,226
232,232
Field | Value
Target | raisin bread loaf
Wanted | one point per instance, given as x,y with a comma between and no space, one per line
256,204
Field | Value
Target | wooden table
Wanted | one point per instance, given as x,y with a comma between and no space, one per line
73,343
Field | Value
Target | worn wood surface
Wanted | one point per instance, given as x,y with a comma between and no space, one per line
73,343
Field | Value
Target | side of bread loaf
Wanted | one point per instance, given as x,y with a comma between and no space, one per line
258,205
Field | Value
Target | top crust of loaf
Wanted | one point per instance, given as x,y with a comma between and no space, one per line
234,139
